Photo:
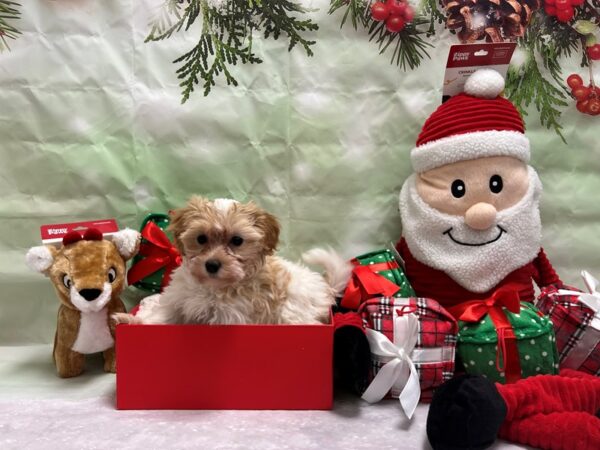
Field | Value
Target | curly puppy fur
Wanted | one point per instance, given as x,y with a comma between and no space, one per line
229,274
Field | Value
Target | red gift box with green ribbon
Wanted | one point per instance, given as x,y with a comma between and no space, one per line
503,338
376,274
158,257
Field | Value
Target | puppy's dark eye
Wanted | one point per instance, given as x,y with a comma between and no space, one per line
458,188
237,241
202,239
112,274
67,281
496,184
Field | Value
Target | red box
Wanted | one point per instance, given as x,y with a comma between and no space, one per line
224,366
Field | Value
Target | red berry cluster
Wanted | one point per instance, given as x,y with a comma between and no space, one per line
562,9
593,52
588,97
395,13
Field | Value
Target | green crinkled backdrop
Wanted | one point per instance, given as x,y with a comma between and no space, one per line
91,126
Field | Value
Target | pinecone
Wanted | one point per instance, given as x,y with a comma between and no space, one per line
492,20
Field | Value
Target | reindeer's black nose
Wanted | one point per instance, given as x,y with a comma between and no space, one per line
212,265
90,294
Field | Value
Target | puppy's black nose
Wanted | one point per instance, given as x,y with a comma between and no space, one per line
212,265
90,294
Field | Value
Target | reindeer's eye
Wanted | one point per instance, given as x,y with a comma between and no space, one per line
67,281
112,274
237,241
202,239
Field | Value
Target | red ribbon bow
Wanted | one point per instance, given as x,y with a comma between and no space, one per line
158,253
366,283
473,310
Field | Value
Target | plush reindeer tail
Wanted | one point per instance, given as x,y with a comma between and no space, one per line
337,269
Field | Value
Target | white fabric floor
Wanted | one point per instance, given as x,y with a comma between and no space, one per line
38,410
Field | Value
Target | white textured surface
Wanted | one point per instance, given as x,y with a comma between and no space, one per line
485,83
38,410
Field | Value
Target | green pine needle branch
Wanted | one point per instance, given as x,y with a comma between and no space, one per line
408,46
545,42
431,9
8,12
227,33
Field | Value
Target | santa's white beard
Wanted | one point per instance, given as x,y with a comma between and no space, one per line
512,242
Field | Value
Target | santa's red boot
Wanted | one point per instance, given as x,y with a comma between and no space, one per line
554,412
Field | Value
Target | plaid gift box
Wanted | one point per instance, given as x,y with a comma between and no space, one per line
417,338
152,266
376,274
576,319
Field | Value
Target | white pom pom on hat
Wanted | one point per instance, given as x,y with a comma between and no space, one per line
485,83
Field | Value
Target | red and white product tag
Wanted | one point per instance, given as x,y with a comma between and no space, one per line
465,59
54,234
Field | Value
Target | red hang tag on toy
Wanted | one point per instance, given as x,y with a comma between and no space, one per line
54,234
463,60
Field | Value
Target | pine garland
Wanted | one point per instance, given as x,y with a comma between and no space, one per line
545,42
227,28
8,12
227,32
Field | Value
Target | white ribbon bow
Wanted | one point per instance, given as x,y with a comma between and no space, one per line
591,300
400,369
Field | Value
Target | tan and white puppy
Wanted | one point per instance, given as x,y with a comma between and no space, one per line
229,274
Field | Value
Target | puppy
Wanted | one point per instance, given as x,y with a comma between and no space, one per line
229,274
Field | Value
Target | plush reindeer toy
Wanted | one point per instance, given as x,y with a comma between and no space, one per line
88,274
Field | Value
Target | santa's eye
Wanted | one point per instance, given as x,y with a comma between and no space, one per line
67,281
237,241
112,274
202,239
458,188
496,184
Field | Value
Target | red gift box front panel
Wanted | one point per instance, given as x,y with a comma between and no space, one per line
224,367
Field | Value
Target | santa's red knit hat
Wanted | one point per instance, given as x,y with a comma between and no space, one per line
471,125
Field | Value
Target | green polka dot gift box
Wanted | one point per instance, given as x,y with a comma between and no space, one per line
505,339
376,274
158,257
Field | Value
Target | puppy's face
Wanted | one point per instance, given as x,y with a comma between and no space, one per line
223,242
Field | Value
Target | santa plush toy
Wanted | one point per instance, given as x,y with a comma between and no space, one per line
471,225
470,214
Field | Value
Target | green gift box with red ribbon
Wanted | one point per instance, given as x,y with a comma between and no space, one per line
503,338
376,274
158,257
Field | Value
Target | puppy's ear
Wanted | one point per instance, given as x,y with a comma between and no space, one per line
179,218
269,225
177,225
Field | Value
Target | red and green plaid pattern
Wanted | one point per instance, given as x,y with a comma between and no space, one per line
437,329
571,319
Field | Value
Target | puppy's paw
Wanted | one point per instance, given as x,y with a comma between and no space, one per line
118,318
